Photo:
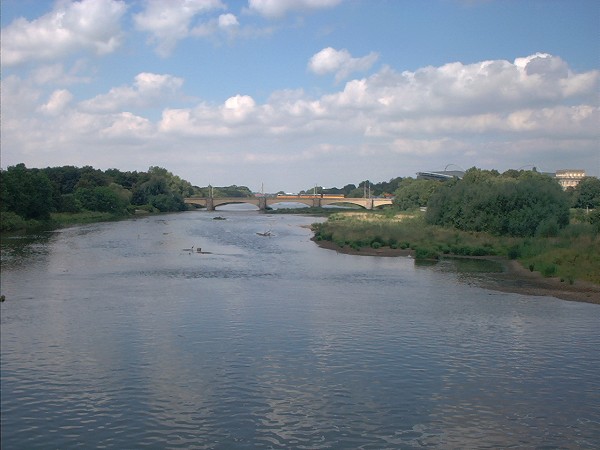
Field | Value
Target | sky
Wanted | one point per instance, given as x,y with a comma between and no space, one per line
283,95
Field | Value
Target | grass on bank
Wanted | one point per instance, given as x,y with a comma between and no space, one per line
572,255
12,223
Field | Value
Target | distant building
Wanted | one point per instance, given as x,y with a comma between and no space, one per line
441,175
569,177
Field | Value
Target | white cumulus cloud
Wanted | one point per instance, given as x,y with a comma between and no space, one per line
57,102
169,21
339,62
238,108
87,25
228,20
148,89
490,114
274,9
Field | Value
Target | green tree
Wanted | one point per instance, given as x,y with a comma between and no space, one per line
413,193
126,179
157,192
587,193
64,178
69,204
26,192
100,198
91,177
165,202
533,203
143,193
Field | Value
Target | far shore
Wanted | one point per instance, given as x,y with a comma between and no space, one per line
515,278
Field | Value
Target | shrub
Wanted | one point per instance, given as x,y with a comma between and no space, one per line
481,251
70,204
514,252
549,270
547,228
594,219
9,221
425,253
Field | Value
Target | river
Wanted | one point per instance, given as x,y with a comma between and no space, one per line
114,336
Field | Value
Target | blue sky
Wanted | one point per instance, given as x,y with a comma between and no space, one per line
293,93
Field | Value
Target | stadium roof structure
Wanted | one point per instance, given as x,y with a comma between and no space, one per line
441,175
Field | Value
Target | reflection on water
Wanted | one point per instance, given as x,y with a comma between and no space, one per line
473,266
115,336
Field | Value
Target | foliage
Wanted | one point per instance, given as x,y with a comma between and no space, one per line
404,232
62,219
35,194
594,220
69,203
28,193
485,201
91,178
413,193
353,191
100,198
586,194
223,191
574,253
10,221
232,191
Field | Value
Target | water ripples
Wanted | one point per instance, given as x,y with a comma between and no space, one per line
274,343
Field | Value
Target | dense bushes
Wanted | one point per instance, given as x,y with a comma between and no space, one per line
586,194
413,193
523,206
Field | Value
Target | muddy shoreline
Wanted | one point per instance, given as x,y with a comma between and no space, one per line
514,278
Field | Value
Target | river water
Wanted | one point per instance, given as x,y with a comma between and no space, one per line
113,336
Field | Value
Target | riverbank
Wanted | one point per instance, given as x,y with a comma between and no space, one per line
514,278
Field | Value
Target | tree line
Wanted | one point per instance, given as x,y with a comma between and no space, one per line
379,189
517,203
30,194
34,194
513,203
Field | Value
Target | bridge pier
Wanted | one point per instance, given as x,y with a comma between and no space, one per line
210,204
262,203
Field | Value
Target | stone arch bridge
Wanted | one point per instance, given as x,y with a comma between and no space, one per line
210,203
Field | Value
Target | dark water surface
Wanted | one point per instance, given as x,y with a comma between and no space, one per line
112,336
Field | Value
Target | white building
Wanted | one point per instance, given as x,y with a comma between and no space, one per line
569,177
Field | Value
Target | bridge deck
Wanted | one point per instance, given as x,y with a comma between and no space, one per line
211,203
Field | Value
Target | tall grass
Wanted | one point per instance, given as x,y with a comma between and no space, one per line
62,219
573,254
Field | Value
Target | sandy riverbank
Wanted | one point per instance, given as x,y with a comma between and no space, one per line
515,278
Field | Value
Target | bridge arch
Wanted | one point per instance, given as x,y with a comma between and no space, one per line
274,201
352,201
236,201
